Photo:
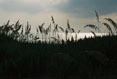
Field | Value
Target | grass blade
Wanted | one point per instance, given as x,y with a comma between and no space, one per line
109,28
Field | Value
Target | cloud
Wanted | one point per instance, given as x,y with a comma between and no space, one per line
16,6
29,6
79,12
43,2
85,8
74,8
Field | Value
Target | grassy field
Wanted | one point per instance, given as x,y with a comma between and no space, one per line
24,56
87,58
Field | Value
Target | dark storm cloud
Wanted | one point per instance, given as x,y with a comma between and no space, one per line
86,8
76,8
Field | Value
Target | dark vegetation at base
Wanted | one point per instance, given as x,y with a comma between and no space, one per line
90,58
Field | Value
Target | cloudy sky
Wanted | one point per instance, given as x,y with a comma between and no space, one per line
79,12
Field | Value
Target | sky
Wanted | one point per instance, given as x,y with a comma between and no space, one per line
79,12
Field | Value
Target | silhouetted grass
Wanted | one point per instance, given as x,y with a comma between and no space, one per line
88,58
91,57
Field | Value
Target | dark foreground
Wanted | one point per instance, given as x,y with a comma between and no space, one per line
92,58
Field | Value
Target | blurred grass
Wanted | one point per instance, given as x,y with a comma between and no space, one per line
86,58
24,56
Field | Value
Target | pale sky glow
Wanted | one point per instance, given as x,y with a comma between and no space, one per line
44,2
79,12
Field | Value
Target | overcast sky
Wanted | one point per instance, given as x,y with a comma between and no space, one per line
79,12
